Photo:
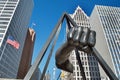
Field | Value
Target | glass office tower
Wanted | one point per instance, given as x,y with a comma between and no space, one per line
106,22
14,19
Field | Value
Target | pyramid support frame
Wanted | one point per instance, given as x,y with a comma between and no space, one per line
40,56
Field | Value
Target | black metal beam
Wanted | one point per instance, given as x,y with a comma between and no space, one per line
104,65
42,52
71,20
80,64
68,24
50,54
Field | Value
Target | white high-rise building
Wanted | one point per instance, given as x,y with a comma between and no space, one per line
106,22
14,19
89,62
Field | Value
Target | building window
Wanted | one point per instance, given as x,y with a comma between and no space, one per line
77,68
1,35
86,68
2,31
87,73
3,27
3,22
77,73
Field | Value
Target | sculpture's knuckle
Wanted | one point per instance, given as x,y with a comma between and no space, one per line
81,36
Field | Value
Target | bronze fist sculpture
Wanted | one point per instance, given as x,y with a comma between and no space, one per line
78,37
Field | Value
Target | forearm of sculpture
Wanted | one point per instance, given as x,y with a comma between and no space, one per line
63,53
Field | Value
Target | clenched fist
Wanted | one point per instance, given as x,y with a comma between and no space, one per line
82,38
77,37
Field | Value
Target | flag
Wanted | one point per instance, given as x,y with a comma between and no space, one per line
12,42
33,24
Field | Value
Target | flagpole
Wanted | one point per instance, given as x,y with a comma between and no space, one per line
33,24
3,51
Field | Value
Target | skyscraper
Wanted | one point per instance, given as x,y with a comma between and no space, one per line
14,19
105,20
26,58
89,62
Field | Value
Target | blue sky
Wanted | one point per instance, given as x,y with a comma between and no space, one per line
45,15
